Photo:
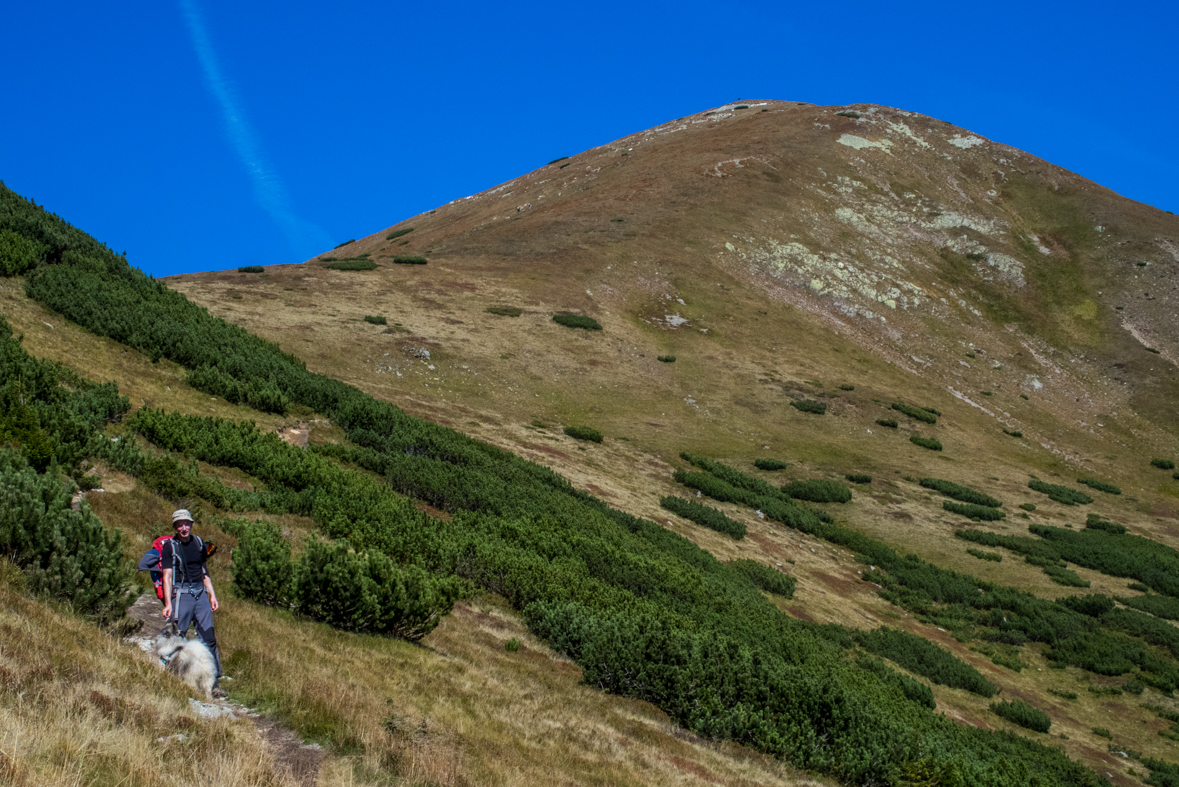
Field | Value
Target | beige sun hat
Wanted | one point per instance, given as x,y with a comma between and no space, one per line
181,515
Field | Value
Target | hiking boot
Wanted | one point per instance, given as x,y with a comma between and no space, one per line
219,693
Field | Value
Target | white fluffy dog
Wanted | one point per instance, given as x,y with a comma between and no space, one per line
188,659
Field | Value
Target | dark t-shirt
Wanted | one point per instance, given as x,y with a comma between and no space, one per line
192,560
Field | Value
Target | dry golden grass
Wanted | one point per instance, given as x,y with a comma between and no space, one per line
80,707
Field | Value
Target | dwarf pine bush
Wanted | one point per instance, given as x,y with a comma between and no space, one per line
923,657
368,593
919,413
353,264
993,557
859,478
1165,607
666,358
1019,712
412,259
1061,494
65,554
17,253
251,269
959,492
376,319
1100,486
926,442
818,491
262,568
398,233
345,243
767,578
504,311
1097,522
1162,464
809,406
584,433
707,516
577,321
770,464
888,423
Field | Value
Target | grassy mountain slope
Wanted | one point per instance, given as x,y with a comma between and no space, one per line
719,239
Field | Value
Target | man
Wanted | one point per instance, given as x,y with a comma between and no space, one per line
188,590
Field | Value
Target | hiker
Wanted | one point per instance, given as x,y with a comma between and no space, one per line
188,590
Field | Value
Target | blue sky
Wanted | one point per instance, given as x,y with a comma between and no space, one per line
205,134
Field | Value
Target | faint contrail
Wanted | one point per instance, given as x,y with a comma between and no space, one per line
304,237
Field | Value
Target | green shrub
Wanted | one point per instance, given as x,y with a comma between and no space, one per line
1019,712
919,413
770,464
577,321
925,658
1016,433
504,311
849,114
993,557
512,645
1162,464
818,491
958,492
65,554
846,387
1061,494
1063,576
376,319
1134,686
410,260
398,233
554,161
1102,732
353,264
809,406
1138,586
1097,522
345,243
890,423
368,593
262,568
1166,607
706,516
17,253
1064,695
992,393
584,433
859,478
1093,606
972,511
767,578
1100,486
666,358
926,442
1028,506
251,269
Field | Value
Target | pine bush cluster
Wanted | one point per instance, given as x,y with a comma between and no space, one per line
959,492
65,554
1100,486
923,414
1019,712
584,433
1061,494
577,321
972,511
926,442
770,464
809,406
767,578
706,516
923,657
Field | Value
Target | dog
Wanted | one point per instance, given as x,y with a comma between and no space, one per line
188,659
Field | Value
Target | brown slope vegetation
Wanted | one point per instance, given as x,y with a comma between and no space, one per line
780,252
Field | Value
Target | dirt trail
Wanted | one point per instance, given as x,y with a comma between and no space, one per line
294,761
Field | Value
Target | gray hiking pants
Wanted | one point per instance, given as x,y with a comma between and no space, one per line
190,603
